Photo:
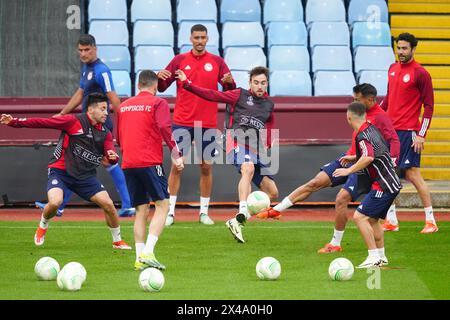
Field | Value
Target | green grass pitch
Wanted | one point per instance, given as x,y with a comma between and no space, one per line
205,262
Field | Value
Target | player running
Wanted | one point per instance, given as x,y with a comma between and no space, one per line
84,143
249,112
354,185
143,123
372,156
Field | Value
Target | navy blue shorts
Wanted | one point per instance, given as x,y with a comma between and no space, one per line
202,137
146,184
240,155
376,204
329,168
357,184
408,157
86,188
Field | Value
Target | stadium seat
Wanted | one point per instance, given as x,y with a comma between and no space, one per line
170,91
122,83
245,34
115,57
109,32
367,10
151,10
242,10
379,79
107,10
290,83
184,33
294,58
205,10
331,58
329,34
153,33
373,58
324,10
210,49
244,59
287,33
282,10
152,57
334,83
241,78
371,34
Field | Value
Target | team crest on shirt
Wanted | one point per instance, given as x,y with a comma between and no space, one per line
406,78
89,76
250,101
54,182
208,67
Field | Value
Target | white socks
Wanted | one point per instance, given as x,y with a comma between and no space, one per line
172,203
243,209
139,248
373,253
337,238
204,205
392,215
115,232
381,253
283,205
429,214
150,244
44,222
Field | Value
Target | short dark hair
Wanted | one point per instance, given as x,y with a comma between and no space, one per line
147,78
94,98
198,28
357,108
256,71
366,90
408,37
87,40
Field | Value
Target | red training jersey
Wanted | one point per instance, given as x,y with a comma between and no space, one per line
71,126
143,123
409,87
205,71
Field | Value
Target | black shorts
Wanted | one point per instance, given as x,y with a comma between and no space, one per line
146,184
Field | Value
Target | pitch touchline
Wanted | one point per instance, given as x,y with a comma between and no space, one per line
191,227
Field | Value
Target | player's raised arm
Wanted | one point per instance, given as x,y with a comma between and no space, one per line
59,123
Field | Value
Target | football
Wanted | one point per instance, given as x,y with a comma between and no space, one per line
268,268
341,269
257,201
151,280
70,278
46,268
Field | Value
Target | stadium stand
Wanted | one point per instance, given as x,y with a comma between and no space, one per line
334,83
244,59
282,10
242,10
373,58
329,34
327,58
151,10
122,82
371,34
378,78
115,57
107,10
324,10
204,10
287,33
153,33
290,83
367,10
109,32
285,58
152,57
242,34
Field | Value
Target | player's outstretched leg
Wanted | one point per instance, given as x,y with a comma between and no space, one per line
103,200
174,185
55,198
206,180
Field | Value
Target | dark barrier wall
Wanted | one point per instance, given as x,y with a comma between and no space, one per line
38,54
24,174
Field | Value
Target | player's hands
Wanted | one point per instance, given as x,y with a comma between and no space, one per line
341,172
347,159
227,78
164,74
417,144
180,75
57,115
6,119
112,155
178,163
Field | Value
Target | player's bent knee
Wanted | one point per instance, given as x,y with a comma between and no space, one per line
205,169
55,204
247,168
